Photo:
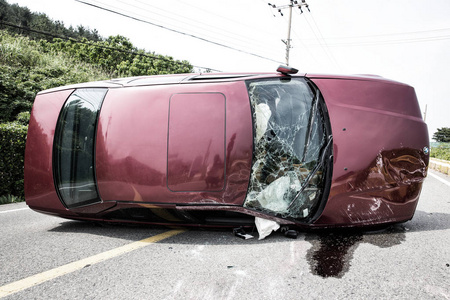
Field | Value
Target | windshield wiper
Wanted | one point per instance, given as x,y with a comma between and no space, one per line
313,171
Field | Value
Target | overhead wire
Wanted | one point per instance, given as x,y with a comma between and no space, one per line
333,58
300,40
305,47
393,34
177,31
398,38
389,42
270,9
312,55
322,41
209,28
224,17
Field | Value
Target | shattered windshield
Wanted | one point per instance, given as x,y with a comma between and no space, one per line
291,148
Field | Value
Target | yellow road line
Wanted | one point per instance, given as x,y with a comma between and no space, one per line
33,280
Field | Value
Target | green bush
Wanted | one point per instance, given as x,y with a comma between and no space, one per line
10,199
441,151
25,69
29,66
12,149
117,57
23,117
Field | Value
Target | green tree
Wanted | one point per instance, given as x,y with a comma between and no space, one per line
23,17
442,135
26,68
118,57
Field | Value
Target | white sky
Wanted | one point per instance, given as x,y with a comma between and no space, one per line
404,40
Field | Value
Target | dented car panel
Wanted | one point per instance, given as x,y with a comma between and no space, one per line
379,159
222,149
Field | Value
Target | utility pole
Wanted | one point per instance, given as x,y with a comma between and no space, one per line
292,4
425,113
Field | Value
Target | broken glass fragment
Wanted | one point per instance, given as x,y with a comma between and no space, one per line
291,147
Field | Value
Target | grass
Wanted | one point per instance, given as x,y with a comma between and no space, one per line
441,151
10,199
45,68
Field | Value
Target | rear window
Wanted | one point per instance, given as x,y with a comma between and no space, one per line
74,148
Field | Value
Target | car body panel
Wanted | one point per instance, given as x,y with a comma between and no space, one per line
177,149
379,165
40,190
133,160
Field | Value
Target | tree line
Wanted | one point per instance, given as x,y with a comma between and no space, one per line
442,135
28,39
26,19
37,53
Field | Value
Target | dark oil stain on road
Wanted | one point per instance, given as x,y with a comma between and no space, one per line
331,253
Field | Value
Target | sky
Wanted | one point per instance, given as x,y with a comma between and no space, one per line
403,40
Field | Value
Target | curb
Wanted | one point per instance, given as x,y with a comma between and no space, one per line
439,165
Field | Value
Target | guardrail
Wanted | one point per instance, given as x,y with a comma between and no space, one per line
440,165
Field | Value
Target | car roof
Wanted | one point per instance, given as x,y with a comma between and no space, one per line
203,77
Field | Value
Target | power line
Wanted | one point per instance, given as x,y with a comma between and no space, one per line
292,4
101,46
232,20
210,30
176,31
390,42
321,40
397,38
304,46
391,34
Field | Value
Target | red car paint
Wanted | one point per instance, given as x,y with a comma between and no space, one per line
180,149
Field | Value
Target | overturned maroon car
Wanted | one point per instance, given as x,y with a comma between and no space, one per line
221,149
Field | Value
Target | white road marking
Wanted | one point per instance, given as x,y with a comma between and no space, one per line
13,210
439,178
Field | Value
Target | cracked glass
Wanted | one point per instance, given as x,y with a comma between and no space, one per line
291,148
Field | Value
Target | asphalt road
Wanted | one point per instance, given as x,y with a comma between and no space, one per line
44,257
